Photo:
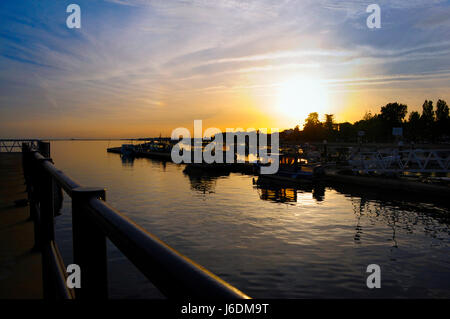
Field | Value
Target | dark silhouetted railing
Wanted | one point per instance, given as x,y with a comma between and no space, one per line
93,220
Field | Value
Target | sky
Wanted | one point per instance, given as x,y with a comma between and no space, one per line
143,68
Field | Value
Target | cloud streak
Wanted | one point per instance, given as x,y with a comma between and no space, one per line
169,55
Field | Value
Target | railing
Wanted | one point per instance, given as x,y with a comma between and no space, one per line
413,160
93,220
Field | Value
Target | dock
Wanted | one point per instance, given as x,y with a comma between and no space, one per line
146,154
20,264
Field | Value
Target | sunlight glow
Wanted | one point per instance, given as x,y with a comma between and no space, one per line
300,96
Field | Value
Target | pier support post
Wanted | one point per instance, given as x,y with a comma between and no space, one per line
89,246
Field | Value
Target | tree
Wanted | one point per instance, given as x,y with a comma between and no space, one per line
442,119
330,133
429,125
374,127
367,116
347,132
312,121
413,126
414,117
394,113
442,112
427,111
391,115
313,129
427,120
329,121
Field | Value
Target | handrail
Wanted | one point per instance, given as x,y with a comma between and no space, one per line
66,183
60,272
174,274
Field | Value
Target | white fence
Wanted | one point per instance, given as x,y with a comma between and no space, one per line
413,160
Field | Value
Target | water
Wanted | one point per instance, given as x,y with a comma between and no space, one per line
270,242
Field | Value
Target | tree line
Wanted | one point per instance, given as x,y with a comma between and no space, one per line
432,125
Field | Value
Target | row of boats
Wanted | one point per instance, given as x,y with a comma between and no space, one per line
298,168
292,168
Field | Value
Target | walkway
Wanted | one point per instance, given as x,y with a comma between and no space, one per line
20,267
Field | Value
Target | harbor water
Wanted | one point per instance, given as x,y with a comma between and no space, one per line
270,241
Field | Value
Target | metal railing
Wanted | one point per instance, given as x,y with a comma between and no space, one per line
93,220
413,160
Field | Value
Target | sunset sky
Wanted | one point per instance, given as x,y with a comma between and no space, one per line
140,68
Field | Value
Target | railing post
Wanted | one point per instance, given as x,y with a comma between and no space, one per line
44,148
47,229
29,168
89,246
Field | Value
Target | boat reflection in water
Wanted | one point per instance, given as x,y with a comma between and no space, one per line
204,181
127,160
287,192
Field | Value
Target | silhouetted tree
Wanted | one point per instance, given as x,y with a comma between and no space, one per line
393,113
313,130
312,121
330,133
442,119
427,120
374,128
427,111
329,121
347,132
428,126
414,117
413,126
367,116
442,112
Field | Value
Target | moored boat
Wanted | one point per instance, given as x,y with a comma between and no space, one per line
302,174
127,149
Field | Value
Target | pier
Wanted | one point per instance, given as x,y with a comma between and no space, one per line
20,263
31,264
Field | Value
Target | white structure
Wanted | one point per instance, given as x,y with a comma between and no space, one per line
413,160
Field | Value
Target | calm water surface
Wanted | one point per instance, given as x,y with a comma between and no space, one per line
270,242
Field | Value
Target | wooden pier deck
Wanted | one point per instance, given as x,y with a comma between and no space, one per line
20,266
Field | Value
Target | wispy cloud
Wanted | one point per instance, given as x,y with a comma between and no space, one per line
157,54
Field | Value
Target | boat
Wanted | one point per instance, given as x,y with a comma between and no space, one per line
127,150
300,175
294,169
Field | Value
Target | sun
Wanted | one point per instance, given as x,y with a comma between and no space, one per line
299,96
